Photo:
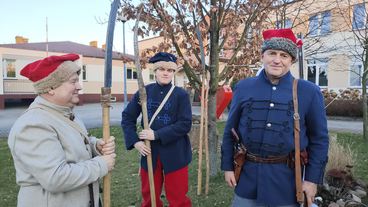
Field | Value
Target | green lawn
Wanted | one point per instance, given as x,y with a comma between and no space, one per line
125,190
8,187
359,146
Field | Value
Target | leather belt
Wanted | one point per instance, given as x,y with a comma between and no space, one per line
269,160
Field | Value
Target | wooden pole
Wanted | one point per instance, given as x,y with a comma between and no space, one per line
106,95
143,99
105,101
206,138
200,145
203,105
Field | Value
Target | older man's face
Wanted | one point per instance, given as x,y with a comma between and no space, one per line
164,75
276,63
67,93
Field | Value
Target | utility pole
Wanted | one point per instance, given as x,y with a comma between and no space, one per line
123,19
47,38
301,58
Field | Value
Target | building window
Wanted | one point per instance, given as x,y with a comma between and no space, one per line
359,16
173,50
84,73
221,39
320,24
222,53
355,75
131,74
249,33
9,68
317,72
287,23
152,75
356,72
185,81
277,4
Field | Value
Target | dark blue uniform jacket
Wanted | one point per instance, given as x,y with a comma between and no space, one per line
263,115
171,126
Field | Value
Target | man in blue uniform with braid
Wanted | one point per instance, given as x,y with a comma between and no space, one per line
170,145
262,113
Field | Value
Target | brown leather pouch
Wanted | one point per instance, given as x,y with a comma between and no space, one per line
303,159
239,155
239,160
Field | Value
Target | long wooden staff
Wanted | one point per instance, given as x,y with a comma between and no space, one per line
199,179
106,94
200,152
206,137
143,100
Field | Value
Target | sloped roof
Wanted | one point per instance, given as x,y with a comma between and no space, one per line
68,47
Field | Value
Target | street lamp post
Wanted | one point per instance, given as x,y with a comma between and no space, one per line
301,58
123,19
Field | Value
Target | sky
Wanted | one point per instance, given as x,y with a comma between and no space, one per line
68,20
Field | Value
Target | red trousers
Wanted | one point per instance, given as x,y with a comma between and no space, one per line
176,187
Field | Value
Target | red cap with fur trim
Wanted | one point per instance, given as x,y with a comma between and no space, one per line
281,39
50,72
282,33
42,68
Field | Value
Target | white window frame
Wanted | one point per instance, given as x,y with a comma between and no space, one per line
133,70
318,64
5,68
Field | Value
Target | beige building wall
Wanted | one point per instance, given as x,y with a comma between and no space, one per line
180,78
149,42
95,76
19,84
336,46
338,72
91,86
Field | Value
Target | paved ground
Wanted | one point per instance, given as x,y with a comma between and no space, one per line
91,115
